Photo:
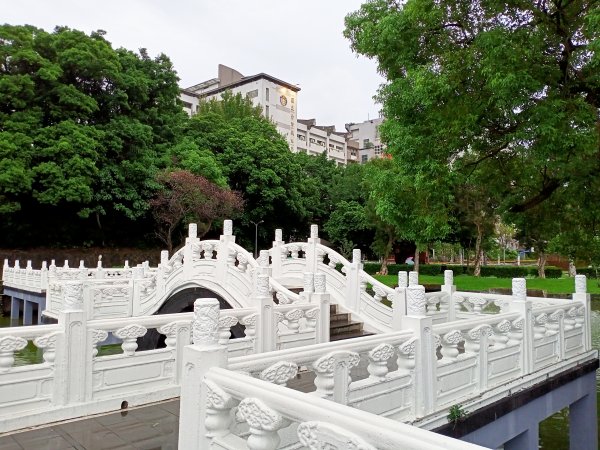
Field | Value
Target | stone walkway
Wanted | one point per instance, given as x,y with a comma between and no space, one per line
152,427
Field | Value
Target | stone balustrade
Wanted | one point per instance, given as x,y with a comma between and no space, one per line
414,375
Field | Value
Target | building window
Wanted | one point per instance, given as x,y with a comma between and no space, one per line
321,143
267,112
364,158
252,94
301,138
378,149
312,140
267,94
365,142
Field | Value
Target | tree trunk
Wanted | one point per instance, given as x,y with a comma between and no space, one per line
572,270
542,257
416,268
100,227
478,252
386,254
383,270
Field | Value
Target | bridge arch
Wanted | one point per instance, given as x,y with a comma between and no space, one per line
181,300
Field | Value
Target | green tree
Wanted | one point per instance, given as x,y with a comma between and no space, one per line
187,198
256,161
82,131
503,92
417,215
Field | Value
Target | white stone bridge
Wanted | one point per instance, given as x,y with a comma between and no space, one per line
511,361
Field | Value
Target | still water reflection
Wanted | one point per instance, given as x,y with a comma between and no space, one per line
554,431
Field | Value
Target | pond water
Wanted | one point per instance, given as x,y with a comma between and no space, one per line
554,431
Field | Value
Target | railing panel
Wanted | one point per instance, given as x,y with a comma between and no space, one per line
26,388
121,374
391,397
456,379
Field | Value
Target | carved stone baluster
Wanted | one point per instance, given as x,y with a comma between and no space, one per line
458,303
312,315
242,262
539,327
8,346
406,354
225,324
325,436
500,336
293,319
333,374
294,249
264,424
553,325
218,410
250,323
48,344
129,334
170,331
363,285
280,373
478,304
515,335
282,298
473,338
570,319
450,343
97,337
207,250
231,254
320,256
378,358
444,301
379,293
432,302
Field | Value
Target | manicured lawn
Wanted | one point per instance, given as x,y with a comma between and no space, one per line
469,283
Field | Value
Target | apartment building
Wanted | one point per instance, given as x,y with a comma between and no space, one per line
279,102
369,141
277,98
315,139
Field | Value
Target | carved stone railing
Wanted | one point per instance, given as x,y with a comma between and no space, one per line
418,374
277,417
73,379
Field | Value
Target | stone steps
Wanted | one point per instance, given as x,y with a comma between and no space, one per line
343,327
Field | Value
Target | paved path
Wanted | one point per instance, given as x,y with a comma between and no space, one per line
152,427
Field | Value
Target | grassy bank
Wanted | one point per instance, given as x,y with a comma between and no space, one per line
563,285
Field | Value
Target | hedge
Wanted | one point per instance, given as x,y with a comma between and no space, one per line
486,271
589,272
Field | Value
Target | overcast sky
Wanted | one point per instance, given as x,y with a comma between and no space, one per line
298,41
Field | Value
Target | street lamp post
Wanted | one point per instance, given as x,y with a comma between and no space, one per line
256,224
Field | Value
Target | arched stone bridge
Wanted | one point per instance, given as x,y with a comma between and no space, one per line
222,269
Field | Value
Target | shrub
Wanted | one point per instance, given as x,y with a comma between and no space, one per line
589,272
552,272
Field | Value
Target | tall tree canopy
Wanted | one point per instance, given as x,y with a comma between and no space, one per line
83,128
256,161
501,94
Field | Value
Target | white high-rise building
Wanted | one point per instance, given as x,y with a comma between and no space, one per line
279,102
277,98
369,141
